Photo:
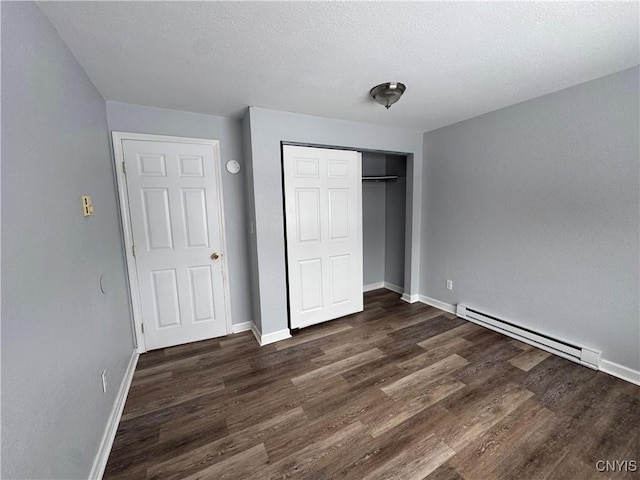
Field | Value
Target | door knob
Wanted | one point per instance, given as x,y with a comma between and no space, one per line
214,256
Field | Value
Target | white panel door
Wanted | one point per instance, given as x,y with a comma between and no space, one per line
323,206
174,212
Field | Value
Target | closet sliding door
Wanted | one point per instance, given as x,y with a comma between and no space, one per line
323,209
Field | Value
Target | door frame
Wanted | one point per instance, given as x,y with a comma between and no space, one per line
127,232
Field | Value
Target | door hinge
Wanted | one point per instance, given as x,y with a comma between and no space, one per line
124,168
142,327
133,250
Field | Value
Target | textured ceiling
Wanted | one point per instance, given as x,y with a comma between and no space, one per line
458,59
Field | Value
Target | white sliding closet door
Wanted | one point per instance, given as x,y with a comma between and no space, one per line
323,205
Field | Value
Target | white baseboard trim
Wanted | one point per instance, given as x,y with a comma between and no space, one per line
100,462
269,337
373,286
241,327
410,298
275,337
256,333
447,307
620,371
394,288
378,285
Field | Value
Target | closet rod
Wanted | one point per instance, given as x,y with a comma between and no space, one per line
382,178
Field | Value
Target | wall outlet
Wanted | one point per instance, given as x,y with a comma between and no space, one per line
103,377
449,284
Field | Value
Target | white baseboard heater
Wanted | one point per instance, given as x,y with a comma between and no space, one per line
562,348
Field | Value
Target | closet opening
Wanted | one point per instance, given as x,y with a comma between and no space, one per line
384,207
386,245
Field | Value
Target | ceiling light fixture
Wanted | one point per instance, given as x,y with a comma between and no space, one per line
387,93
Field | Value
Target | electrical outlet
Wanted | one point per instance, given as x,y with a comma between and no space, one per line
449,284
103,376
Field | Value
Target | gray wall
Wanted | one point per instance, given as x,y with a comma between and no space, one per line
533,212
373,219
394,232
268,129
58,330
159,121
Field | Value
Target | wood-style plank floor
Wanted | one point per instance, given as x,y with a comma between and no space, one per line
397,392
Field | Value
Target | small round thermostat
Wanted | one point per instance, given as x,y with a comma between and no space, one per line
233,166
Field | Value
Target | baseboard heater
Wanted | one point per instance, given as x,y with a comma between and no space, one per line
562,348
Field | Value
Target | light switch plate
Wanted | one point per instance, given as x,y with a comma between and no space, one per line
87,206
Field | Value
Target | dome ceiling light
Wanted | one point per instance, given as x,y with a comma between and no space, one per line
387,93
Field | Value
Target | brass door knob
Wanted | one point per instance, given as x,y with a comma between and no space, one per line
214,256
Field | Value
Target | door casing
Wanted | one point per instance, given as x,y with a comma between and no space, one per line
123,200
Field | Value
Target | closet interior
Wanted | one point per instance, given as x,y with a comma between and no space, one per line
384,191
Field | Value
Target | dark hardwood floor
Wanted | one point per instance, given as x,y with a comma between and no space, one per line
398,391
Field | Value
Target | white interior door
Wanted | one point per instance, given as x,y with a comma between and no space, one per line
323,204
176,227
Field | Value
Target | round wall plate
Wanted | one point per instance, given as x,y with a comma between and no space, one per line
233,166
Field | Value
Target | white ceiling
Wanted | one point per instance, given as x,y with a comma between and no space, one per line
457,59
